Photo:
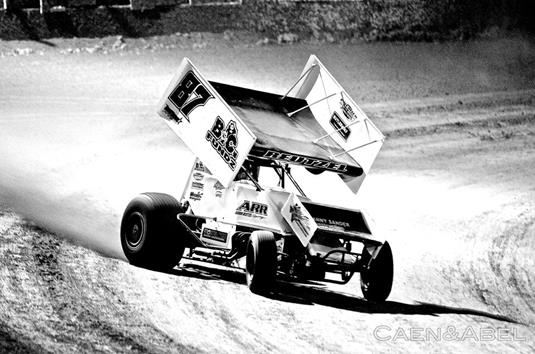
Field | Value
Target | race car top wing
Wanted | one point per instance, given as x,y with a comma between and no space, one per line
286,130
340,117
204,121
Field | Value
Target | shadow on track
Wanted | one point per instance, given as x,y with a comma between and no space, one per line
204,272
311,293
306,294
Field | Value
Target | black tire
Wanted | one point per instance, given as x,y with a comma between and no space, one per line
150,232
261,262
376,279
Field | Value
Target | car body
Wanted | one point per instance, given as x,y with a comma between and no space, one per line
241,200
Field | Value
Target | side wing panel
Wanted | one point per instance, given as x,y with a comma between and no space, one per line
340,116
206,123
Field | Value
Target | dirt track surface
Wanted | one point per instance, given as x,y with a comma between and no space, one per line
452,191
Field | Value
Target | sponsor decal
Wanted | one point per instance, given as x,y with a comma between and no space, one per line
333,224
224,140
347,110
306,161
188,95
252,209
199,166
299,218
197,185
218,187
215,235
198,176
195,196
340,126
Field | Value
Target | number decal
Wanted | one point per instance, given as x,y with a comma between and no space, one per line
189,94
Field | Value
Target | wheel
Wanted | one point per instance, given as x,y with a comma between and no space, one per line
376,279
261,261
150,232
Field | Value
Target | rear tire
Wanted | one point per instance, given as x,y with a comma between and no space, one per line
261,262
150,232
376,279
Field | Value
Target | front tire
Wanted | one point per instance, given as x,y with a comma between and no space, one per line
150,232
261,261
378,274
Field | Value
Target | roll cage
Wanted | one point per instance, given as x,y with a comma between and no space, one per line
283,171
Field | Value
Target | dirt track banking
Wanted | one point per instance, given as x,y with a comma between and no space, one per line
452,191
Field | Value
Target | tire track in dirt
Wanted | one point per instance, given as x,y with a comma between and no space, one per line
107,294
11,339
75,314
24,310
499,269
486,206
443,104
61,294
437,115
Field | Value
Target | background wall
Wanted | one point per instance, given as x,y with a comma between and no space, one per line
324,20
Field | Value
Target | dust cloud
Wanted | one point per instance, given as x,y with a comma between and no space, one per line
72,171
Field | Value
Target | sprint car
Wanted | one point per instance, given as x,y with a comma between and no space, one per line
242,206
